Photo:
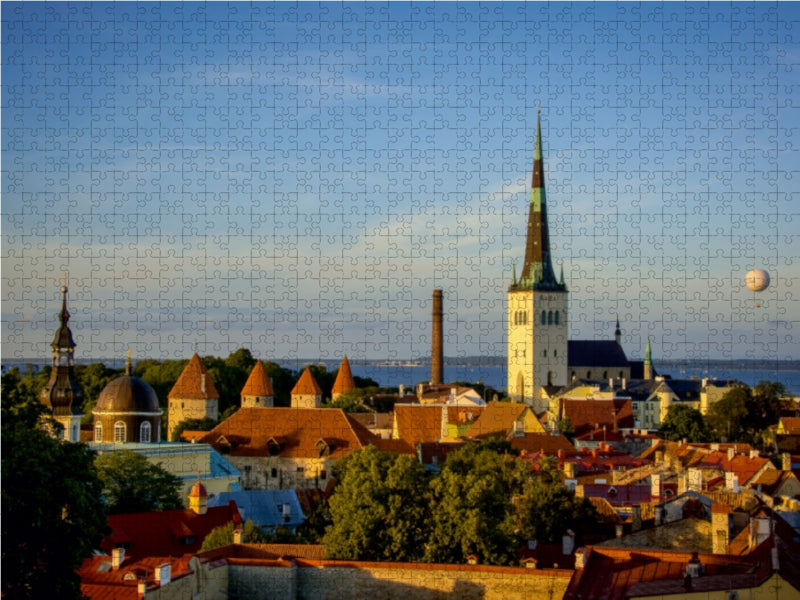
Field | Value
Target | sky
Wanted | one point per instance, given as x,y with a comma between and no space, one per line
297,178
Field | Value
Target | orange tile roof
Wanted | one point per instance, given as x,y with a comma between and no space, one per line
415,423
541,442
497,419
190,382
791,424
586,415
99,582
297,430
307,385
258,384
744,467
344,379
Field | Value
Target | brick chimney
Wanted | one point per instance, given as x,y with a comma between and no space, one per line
437,343
117,558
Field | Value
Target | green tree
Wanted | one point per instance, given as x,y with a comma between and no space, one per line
764,407
352,401
52,513
684,422
475,511
204,424
131,483
547,508
727,417
566,428
380,508
92,379
223,536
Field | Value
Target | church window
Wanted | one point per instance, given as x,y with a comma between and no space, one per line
144,432
550,317
555,352
544,353
98,432
544,317
605,374
549,378
588,374
556,317
119,431
524,317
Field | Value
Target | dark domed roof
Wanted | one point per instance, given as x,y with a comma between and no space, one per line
128,394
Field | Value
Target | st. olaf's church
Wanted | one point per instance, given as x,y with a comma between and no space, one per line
541,360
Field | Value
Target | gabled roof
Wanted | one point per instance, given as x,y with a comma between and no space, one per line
587,415
415,423
344,379
595,353
247,432
744,467
770,481
194,382
167,532
307,385
541,442
685,389
791,425
497,419
258,384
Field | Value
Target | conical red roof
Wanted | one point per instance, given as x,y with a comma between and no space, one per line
258,384
194,382
344,379
307,385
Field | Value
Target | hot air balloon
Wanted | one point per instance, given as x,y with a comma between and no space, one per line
756,280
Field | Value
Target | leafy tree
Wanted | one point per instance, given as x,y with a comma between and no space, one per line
92,379
566,428
728,416
352,401
380,508
764,409
52,513
131,483
475,513
204,424
241,359
684,422
312,530
547,508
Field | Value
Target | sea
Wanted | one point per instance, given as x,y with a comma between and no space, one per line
408,374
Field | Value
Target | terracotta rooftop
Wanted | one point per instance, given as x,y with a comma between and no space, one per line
791,425
415,423
100,582
588,415
497,419
546,443
258,384
307,385
167,532
194,382
744,467
289,433
344,379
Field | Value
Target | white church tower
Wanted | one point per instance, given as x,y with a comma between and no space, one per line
537,306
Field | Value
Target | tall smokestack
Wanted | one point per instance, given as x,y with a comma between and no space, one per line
437,352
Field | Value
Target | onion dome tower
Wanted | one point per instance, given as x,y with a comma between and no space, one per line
62,394
537,305
257,391
344,380
127,410
306,393
193,396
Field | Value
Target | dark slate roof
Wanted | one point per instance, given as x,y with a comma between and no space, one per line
685,389
595,353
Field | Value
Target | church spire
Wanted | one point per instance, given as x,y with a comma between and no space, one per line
537,270
618,333
63,345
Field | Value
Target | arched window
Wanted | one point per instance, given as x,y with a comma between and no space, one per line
550,318
544,353
605,374
555,352
549,378
556,317
544,317
119,431
98,432
588,374
144,432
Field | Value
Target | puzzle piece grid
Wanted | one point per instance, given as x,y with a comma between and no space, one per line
297,178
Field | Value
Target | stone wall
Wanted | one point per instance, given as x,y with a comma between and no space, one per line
327,580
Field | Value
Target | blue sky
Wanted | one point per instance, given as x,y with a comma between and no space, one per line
298,178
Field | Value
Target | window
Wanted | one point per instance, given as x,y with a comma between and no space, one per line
300,470
556,317
323,474
98,432
119,431
544,353
555,352
274,472
144,432
550,317
544,317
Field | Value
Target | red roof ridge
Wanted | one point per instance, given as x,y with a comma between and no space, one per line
194,382
258,383
307,384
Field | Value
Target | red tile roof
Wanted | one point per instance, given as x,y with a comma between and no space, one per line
193,378
99,582
587,415
415,423
497,419
744,467
541,442
307,385
161,533
248,431
258,384
344,379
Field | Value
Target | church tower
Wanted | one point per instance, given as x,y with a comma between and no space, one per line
537,305
63,394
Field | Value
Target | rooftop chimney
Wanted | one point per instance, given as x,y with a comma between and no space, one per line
117,558
141,588
238,536
731,452
437,351
163,573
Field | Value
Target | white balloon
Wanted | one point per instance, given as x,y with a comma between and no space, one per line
757,280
